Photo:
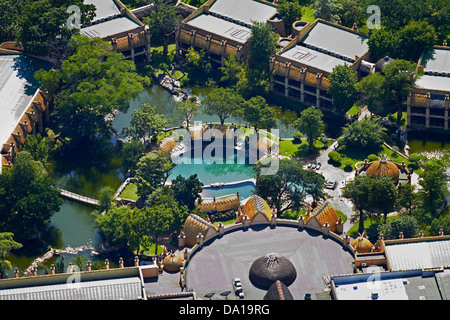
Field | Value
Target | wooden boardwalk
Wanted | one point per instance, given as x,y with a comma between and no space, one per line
77,197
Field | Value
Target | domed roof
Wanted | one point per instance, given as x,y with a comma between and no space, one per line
172,263
255,205
272,267
385,168
362,244
193,226
383,62
278,291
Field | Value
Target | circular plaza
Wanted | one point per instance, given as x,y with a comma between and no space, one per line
315,257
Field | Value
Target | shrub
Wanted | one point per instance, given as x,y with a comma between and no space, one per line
335,156
414,157
297,137
372,157
347,163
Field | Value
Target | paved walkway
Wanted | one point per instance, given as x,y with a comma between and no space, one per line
331,173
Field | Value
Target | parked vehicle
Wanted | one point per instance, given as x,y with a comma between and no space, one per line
237,287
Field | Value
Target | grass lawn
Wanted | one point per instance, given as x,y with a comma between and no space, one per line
289,148
231,221
353,111
370,224
129,192
356,156
308,14
149,251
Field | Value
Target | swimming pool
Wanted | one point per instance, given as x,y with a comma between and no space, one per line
245,189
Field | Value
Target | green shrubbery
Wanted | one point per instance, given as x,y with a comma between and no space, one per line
297,137
335,156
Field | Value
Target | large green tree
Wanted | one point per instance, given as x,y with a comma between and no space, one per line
28,197
91,83
43,28
288,187
262,44
162,21
366,134
405,223
153,169
257,112
187,190
7,244
400,80
221,102
187,109
146,123
373,90
414,38
290,11
434,182
310,124
342,86
358,191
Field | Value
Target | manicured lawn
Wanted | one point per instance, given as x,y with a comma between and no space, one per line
149,251
356,156
370,224
289,148
129,192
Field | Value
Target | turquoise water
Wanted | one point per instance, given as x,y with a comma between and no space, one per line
209,173
245,189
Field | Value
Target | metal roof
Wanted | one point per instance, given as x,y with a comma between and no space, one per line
436,60
244,10
313,58
17,88
104,8
433,83
109,28
418,255
336,40
113,289
221,27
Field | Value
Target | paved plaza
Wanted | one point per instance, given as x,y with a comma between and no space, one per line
213,267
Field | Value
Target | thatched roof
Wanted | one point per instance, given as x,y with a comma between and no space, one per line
195,225
278,291
256,205
173,263
266,270
383,167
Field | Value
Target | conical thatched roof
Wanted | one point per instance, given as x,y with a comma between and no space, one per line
278,291
266,270
173,263
383,168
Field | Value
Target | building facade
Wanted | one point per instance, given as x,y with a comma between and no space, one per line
300,70
428,102
222,27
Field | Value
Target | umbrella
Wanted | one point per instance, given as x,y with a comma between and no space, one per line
209,295
225,294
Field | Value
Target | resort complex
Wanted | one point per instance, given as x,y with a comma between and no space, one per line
223,150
